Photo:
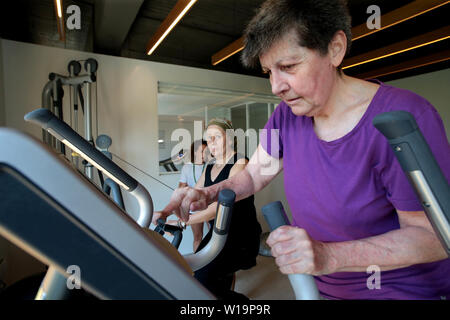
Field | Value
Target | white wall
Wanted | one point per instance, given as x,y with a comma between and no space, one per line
435,87
15,263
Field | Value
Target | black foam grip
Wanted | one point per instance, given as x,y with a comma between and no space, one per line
275,215
227,197
395,124
76,67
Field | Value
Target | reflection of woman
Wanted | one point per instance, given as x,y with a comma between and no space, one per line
242,244
193,168
190,174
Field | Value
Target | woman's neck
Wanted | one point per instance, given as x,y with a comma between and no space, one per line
349,107
220,161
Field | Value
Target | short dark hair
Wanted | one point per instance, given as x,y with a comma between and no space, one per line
314,21
195,145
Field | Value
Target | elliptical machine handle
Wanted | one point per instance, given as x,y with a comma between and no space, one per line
304,285
220,232
177,232
59,129
421,168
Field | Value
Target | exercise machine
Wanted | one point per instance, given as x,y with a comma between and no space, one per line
304,285
111,188
52,99
60,217
423,172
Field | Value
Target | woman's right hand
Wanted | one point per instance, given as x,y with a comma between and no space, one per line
184,200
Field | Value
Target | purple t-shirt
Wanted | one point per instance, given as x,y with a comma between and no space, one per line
349,189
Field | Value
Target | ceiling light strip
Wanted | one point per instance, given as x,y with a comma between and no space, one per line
175,15
60,19
400,47
407,65
228,51
390,19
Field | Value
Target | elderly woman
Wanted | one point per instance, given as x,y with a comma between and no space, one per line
352,205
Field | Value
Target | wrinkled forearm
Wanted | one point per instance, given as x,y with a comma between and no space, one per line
242,184
395,249
261,169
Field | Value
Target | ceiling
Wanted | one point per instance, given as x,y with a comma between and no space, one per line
124,27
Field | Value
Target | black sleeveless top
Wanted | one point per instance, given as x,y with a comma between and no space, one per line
242,244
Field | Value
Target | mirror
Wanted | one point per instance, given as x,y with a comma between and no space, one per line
183,112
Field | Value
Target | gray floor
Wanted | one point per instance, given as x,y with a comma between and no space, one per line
264,281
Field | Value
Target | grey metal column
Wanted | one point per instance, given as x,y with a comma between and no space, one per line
75,112
47,104
88,122
54,142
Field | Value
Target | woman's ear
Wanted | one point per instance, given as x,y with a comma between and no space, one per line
337,48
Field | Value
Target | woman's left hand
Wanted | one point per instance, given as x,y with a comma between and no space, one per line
296,252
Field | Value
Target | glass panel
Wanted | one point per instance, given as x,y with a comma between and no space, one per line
219,112
258,115
238,117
